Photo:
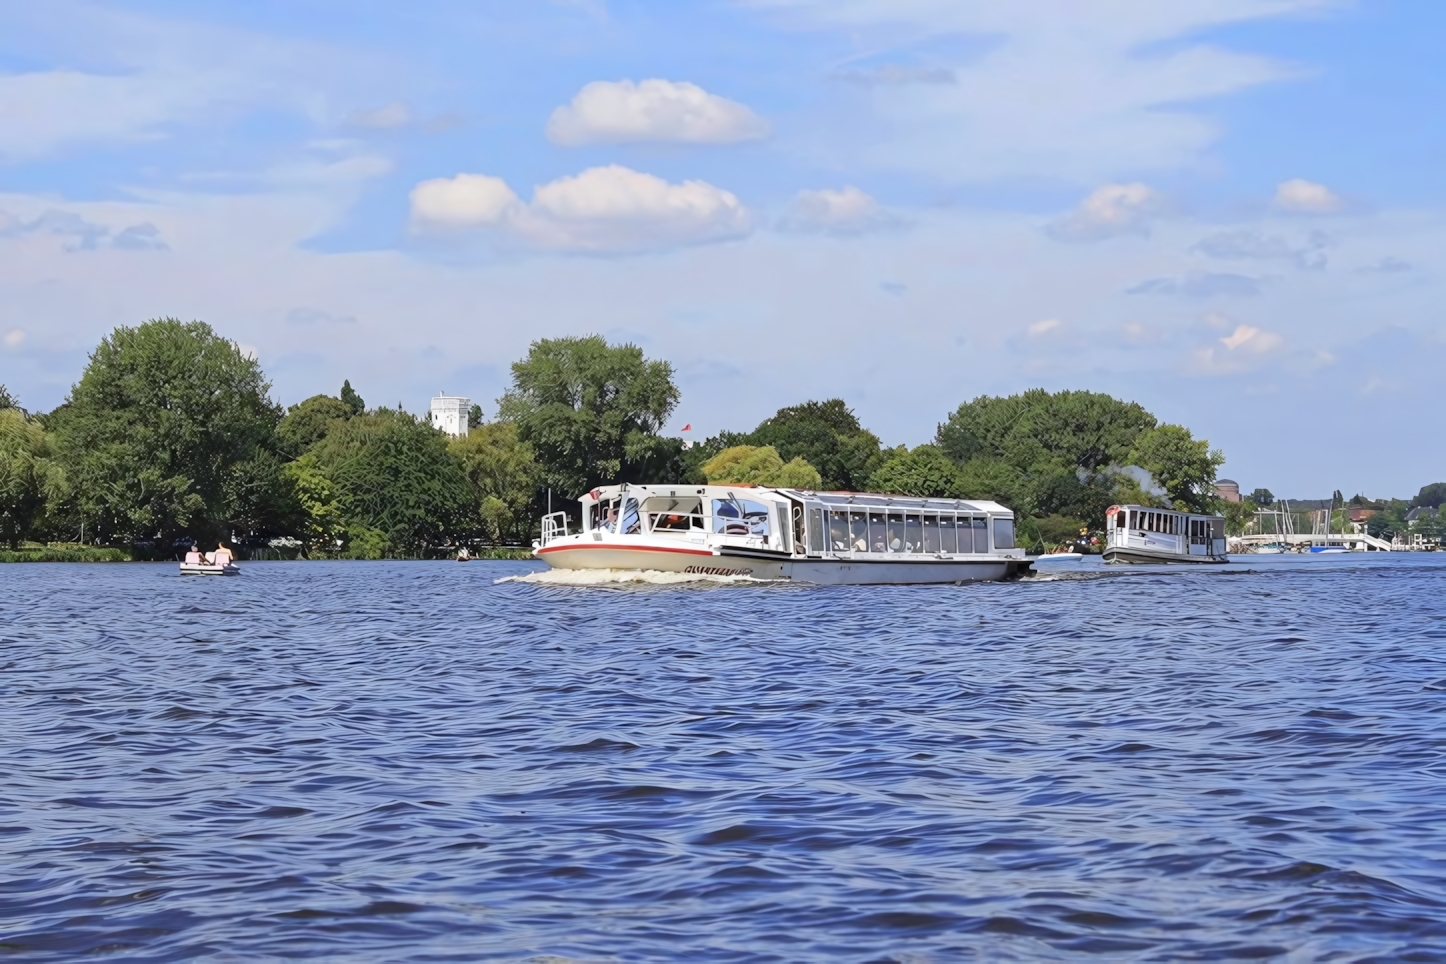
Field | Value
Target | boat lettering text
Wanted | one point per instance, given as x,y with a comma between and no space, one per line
717,571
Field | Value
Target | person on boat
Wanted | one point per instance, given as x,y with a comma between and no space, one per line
222,555
193,558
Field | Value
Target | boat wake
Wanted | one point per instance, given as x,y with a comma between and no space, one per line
623,577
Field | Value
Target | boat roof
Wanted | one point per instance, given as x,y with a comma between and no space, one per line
865,500
1155,508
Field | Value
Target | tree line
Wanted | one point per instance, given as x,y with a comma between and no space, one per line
171,435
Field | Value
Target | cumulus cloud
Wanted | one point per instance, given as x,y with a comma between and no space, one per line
1251,339
602,210
1111,211
140,237
1200,284
14,338
847,211
1300,196
615,112
1252,244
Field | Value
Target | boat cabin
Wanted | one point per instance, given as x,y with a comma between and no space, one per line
1142,533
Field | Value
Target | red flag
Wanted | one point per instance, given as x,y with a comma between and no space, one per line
688,427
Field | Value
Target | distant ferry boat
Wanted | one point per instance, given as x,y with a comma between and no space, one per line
1142,533
833,538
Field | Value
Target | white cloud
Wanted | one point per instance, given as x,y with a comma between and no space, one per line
847,211
603,210
614,112
1252,340
14,338
464,201
1044,327
1306,197
1111,211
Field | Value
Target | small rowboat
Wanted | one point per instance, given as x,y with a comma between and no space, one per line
209,569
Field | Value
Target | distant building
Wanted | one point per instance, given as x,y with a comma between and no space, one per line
1228,490
449,413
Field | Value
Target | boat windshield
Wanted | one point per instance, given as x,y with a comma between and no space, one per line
740,517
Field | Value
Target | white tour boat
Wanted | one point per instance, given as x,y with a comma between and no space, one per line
1142,533
832,538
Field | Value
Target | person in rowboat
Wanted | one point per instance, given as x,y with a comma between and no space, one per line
193,558
222,555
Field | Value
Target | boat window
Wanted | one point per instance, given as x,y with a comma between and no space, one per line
858,531
631,522
667,515
1004,533
815,529
948,540
740,517
606,515
878,532
913,533
932,539
838,531
965,530
896,532
981,535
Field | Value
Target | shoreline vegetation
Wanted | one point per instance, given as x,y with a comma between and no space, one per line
171,437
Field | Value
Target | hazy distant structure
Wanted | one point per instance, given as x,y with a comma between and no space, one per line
449,413
1227,489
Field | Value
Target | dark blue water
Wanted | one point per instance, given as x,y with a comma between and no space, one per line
388,761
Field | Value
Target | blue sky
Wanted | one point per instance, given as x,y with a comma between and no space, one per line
1228,210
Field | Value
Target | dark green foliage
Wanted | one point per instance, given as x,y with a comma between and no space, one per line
351,399
828,436
157,423
592,411
7,400
1432,495
1184,466
474,416
924,472
396,487
306,423
1264,497
1059,530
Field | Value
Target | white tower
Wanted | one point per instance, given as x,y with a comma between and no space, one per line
449,413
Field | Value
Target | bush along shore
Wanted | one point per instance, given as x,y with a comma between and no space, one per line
171,436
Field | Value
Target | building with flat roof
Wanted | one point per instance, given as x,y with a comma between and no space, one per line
449,414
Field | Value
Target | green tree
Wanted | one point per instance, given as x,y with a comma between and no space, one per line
504,476
1432,496
474,416
1264,497
759,465
29,477
1038,431
925,472
351,399
1185,467
829,437
1238,515
161,417
7,400
306,423
592,412
394,482
995,480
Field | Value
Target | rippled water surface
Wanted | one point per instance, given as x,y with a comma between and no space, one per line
415,761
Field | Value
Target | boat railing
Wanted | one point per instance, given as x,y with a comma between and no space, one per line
554,526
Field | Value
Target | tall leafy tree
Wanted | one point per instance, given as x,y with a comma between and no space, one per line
351,399
307,422
29,477
504,476
592,412
1432,495
162,417
759,465
391,482
1184,466
926,472
829,437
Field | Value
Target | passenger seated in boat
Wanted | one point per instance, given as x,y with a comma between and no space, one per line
193,558
222,555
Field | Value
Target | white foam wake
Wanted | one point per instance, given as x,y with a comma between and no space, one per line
620,577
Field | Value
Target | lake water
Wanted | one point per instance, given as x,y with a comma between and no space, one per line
388,761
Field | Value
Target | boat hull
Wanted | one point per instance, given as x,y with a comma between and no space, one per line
769,566
201,569
1143,556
